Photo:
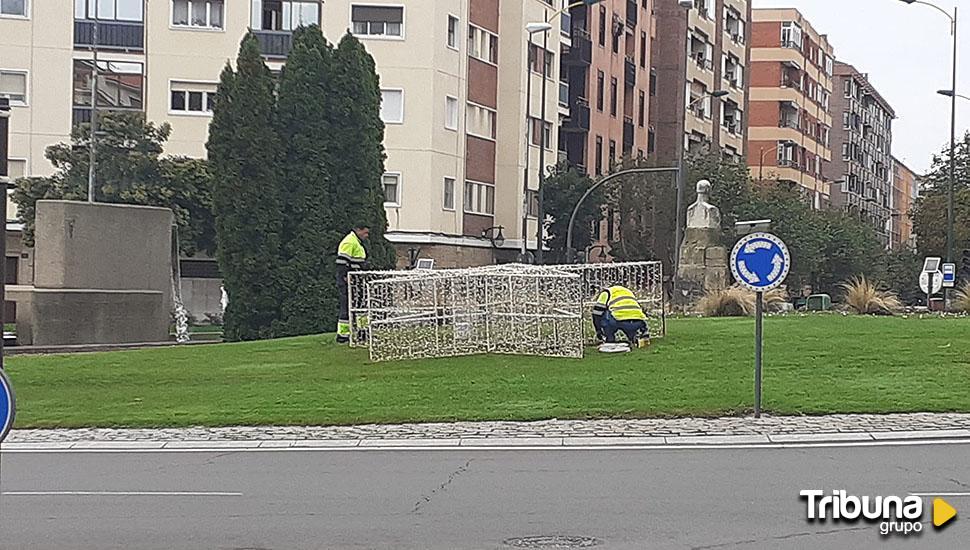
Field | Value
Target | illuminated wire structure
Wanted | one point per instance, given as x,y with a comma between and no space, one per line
505,309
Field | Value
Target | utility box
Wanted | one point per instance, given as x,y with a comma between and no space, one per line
818,302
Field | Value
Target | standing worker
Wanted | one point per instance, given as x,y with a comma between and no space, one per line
617,310
350,257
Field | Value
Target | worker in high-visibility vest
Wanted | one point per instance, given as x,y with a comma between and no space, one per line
350,257
617,310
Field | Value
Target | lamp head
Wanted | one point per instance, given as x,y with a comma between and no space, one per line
719,93
947,93
538,26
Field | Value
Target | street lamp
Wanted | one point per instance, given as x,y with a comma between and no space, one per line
533,28
952,94
949,93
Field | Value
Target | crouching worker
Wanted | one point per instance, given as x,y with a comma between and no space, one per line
617,310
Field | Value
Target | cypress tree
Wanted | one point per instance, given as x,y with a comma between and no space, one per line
244,151
357,149
309,232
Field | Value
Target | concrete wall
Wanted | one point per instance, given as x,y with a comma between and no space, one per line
102,275
103,246
202,297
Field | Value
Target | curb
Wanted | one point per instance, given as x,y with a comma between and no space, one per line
486,443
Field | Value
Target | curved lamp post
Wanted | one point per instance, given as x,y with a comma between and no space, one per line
953,95
570,252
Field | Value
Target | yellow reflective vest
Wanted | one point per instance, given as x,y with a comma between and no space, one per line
351,253
621,303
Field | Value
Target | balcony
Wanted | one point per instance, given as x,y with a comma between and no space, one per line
274,44
580,53
632,13
578,120
112,35
630,71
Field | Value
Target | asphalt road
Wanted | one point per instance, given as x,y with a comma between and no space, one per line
457,499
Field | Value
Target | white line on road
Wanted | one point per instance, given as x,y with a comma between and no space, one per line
118,494
940,494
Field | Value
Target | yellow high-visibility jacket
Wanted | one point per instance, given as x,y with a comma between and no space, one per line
351,253
621,303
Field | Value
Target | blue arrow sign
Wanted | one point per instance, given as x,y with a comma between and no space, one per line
760,262
6,405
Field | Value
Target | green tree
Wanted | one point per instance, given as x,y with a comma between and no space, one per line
563,189
357,150
929,212
129,171
245,152
309,229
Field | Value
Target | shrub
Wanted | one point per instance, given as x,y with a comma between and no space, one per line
962,299
729,302
866,298
736,301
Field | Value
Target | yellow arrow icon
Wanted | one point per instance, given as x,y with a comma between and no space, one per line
942,512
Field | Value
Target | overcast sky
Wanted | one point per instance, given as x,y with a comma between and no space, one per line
905,49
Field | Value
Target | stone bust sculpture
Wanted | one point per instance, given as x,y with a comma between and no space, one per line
702,214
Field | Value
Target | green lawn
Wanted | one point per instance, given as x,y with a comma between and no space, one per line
817,364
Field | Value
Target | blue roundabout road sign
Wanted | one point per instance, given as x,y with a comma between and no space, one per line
760,262
6,405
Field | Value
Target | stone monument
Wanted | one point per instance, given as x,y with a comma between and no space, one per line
703,257
102,275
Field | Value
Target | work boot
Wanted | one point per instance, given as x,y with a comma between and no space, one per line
341,339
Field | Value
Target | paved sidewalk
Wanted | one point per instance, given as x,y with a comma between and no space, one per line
727,430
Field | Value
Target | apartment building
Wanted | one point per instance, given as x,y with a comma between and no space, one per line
699,50
905,193
862,169
606,84
453,75
790,121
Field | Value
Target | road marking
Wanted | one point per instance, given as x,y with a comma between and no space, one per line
118,494
472,447
940,494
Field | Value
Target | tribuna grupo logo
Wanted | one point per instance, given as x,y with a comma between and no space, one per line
895,515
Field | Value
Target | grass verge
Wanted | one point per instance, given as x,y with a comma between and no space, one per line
813,365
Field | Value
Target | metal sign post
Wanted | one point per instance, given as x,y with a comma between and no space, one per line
760,262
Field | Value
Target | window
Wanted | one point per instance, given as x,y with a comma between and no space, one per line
452,32
392,106
600,91
479,198
602,36
377,20
14,85
653,81
451,113
532,203
791,35
612,154
120,85
107,10
541,133
448,202
189,97
599,155
16,8
651,140
284,15
480,121
613,94
198,13
482,45
643,50
540,60
845,151
392,189
642,116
